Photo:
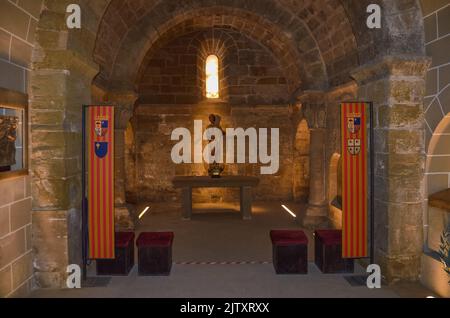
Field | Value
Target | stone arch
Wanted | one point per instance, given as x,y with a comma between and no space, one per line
246,20
301,162
63,69
203,43
336,29
437,218
335,190
244,65
438,180
438,158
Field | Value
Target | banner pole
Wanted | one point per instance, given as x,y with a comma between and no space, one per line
372,185
84,212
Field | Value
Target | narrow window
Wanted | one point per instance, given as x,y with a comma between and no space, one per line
212,77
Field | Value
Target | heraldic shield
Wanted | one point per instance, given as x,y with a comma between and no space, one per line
101,149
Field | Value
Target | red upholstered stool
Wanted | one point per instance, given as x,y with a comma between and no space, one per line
328,252
124,261
290,252
155,253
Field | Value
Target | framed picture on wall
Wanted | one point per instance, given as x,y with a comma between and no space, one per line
13,134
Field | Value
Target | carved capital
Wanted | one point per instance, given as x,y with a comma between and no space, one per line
398,65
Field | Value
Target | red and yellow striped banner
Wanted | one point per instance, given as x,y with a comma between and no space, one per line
100,123
354,180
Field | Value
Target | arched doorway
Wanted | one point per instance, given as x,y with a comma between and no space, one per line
63,72
335,190
437,217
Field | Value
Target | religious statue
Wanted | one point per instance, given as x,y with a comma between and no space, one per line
8,136
215,169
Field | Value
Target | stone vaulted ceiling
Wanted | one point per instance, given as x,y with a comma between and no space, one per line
317,42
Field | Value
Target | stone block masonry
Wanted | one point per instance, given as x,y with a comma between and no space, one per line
248,72
18,21
16,269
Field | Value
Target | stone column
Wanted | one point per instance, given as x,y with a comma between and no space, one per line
57,96
60,83
313,108
396,86
317,211
124,102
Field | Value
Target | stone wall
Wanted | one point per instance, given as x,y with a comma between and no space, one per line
172,95
151,160
16,256
437,99
18,21
437,136
248,72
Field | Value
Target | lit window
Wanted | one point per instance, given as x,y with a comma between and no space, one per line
212,77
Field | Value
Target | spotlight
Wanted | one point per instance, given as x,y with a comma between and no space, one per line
290,212
143,212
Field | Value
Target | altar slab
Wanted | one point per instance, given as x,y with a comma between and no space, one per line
245,183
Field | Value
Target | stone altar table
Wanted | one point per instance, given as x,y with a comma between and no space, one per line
244,183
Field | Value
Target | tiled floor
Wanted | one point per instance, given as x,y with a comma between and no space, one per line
222,236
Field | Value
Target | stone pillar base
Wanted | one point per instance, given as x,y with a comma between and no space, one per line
51,248
124,218
315,222
316,217
395,268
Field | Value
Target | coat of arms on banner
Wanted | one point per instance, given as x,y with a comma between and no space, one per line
354,124
101,149
354,146
354,127
101,127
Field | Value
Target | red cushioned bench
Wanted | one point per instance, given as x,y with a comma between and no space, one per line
155,253
328,252
290,251
124,261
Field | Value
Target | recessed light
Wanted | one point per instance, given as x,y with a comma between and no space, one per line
290,212
143,212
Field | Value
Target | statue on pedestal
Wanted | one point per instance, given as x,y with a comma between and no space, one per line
215,169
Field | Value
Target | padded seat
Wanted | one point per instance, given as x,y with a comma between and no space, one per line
155,253
290,251
124,260
328,253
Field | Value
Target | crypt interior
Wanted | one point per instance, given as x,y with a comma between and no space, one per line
285,64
